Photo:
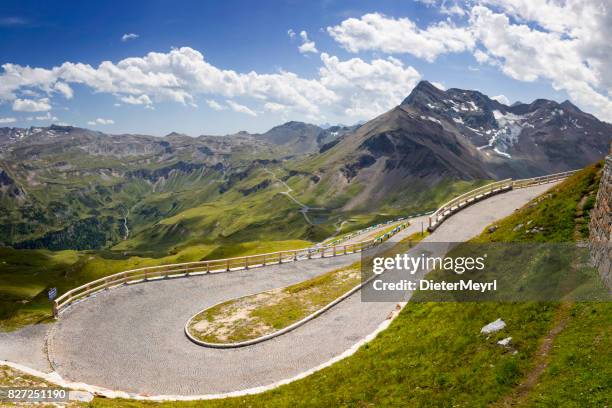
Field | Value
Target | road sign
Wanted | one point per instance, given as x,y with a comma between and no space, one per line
52,293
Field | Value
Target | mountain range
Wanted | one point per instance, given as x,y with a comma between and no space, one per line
66,187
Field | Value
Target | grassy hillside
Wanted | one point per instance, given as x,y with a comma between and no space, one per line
434,355
27,275
265,205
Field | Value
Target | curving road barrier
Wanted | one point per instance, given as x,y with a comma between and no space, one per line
214,266
480,193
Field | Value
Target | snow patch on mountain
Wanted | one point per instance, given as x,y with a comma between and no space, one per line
510,127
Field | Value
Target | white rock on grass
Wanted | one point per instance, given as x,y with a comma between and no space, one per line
505,342
493,327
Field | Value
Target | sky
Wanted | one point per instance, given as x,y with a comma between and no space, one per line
207,67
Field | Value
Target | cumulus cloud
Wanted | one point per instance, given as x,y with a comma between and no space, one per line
214,105
129,36
64,89
7,120
367,89
501,99
566,42
574,53
136,100
353,87
291,33
240,108
377,32
307,44
31,105
100,121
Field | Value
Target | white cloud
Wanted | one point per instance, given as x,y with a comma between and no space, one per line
291,33
573,53
46,116
450,7
307,44
31,105
439,85
275,107
136,100
64,89
240,108
129,36
100,121
7,120
367,89
566,42
30,93
352,87
501,99
377,32
214,105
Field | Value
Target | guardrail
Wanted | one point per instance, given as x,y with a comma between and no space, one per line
346,237
542,179
275,258
458,203
213,266
480,193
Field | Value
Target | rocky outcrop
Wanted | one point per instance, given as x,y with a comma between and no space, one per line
601,225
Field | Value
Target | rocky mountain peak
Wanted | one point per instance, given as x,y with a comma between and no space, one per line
570,106
422,94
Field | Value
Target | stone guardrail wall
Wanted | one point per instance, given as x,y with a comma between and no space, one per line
215,266
600,227
480,193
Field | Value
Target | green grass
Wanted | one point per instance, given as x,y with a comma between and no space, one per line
256,247
557,211
579,372
273,310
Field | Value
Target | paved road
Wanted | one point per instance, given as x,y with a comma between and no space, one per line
131,338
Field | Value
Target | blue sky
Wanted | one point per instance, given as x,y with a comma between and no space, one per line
227,66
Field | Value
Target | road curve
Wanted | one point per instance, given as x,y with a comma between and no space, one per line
131,338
